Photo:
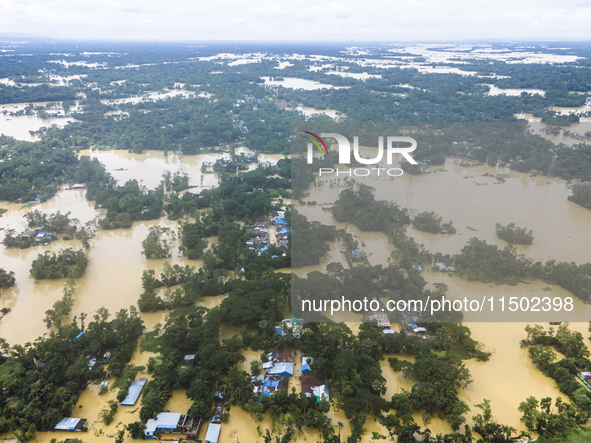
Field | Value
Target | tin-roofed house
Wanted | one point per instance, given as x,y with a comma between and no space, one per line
134,392
71,424
306,362
213,433
356,256
281,368
269,384
312,386
171,423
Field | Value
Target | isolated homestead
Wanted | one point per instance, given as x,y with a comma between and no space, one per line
293,325
380,318
356,255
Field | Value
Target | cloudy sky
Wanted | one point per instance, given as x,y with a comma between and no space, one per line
297,20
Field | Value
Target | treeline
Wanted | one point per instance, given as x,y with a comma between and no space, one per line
581,195
33,170
257,303
351,363
309,242
205,282
40,93
480,261
476,261
53,223
124,204
541,345
177,121
228,253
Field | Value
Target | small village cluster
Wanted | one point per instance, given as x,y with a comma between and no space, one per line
278,368
261,234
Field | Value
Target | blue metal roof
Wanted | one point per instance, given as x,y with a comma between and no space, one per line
134,392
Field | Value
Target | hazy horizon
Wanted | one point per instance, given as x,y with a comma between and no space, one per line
297,21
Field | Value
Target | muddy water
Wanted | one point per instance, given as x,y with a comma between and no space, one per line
149,166
307,112
513,92
29,300
19,126
271,159
150,96
243,150
73,201
529,117
90,405
509,377
586,108
475,203
112,279
357,75
580,129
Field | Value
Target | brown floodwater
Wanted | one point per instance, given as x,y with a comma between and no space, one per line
474,203
112,279
509,377
19,126
307,112
149,166
149,96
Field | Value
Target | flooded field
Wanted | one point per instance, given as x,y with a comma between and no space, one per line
149,166
150,96
356,75
300,83
475,202
18,126
509,377
112,279
113,276
307,112
493,90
